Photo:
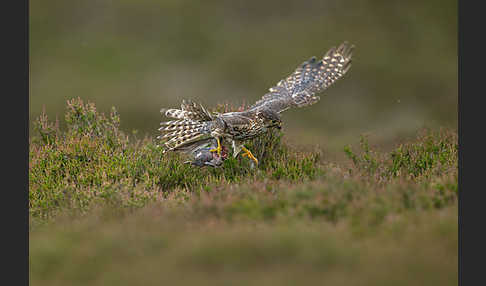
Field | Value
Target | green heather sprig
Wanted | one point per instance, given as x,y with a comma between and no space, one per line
94,160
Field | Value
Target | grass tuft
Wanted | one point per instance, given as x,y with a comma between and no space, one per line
94,161
433,153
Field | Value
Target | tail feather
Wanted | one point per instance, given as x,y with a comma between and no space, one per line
191,125
180,125
195,145
189,111
178,133
182,140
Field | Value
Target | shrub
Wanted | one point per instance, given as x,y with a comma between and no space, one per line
432,153
93,160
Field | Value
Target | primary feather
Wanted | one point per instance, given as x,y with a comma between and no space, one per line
311,77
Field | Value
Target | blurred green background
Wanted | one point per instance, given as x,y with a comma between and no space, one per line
142,55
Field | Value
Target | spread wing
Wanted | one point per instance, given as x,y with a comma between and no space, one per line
300,88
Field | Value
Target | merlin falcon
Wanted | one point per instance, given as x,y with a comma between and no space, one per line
194,126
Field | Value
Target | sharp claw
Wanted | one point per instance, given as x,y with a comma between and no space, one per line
250,155
217,149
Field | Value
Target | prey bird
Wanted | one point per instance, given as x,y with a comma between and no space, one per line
195,126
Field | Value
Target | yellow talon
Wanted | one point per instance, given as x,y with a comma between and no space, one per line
218,149
249,154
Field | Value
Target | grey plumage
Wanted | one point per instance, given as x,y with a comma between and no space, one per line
194,123
201,155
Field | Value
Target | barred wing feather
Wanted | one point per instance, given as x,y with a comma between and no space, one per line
300,88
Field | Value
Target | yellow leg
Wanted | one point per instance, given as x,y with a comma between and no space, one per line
218,149
249,154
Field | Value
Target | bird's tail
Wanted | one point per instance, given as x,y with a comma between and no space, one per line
191,125
178,133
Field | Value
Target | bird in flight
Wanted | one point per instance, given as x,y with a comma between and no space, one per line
194,126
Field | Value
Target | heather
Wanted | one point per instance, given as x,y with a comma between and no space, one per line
107,207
